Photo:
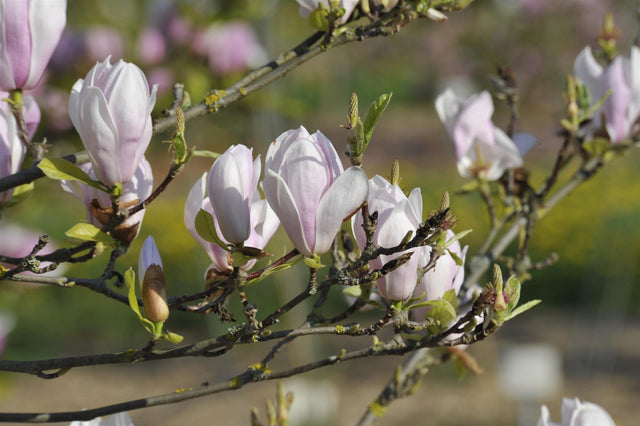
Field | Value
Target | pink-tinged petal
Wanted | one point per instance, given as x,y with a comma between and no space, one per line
308,178
524,142
149,255
283,204
447,106
341,200
400,283
473,123
18,39
31,114
195,202
99,134
615,106
47,19
495,160
589,71
634,83
230,187
576,413
277,148
415,198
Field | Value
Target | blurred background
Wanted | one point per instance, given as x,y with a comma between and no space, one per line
583,341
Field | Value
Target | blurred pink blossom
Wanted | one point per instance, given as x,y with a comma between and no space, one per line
151,47
102,42
230,47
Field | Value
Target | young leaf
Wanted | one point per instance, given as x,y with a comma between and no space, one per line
442,312
373,115
89,232
522,308
207,229
512,291
130,282
20,194
451,297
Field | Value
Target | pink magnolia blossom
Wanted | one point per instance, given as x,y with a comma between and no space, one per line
308,6
103,42
622,108
262,221
230,47
12,150
397,215
577,413
151,47
29,33
483,150
307,188
135,190
111,110
444,276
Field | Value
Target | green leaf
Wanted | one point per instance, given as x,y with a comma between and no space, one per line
318,18
206,228
130,282
60,169
352,291
469,187
456,258
89,232
458,236
512,291
451,297
522,308
597,146
373,115
589,112
172,337
314,262
270,271
20,193
442,313
205,154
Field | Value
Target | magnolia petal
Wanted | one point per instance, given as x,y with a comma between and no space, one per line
284,205
503,156
447,107
615,106
99,134
589,71
473,123
342,199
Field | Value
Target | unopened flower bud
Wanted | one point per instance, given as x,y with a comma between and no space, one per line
154,293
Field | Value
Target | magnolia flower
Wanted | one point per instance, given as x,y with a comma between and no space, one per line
576,413
12,150
151,47
263,224
307,188
397,215
444,276
119,419
230,47
308,6
103,42
111,110
233,179
622,108
98,203
151,279
29,33
482,149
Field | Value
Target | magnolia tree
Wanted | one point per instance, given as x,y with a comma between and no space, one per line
354,233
